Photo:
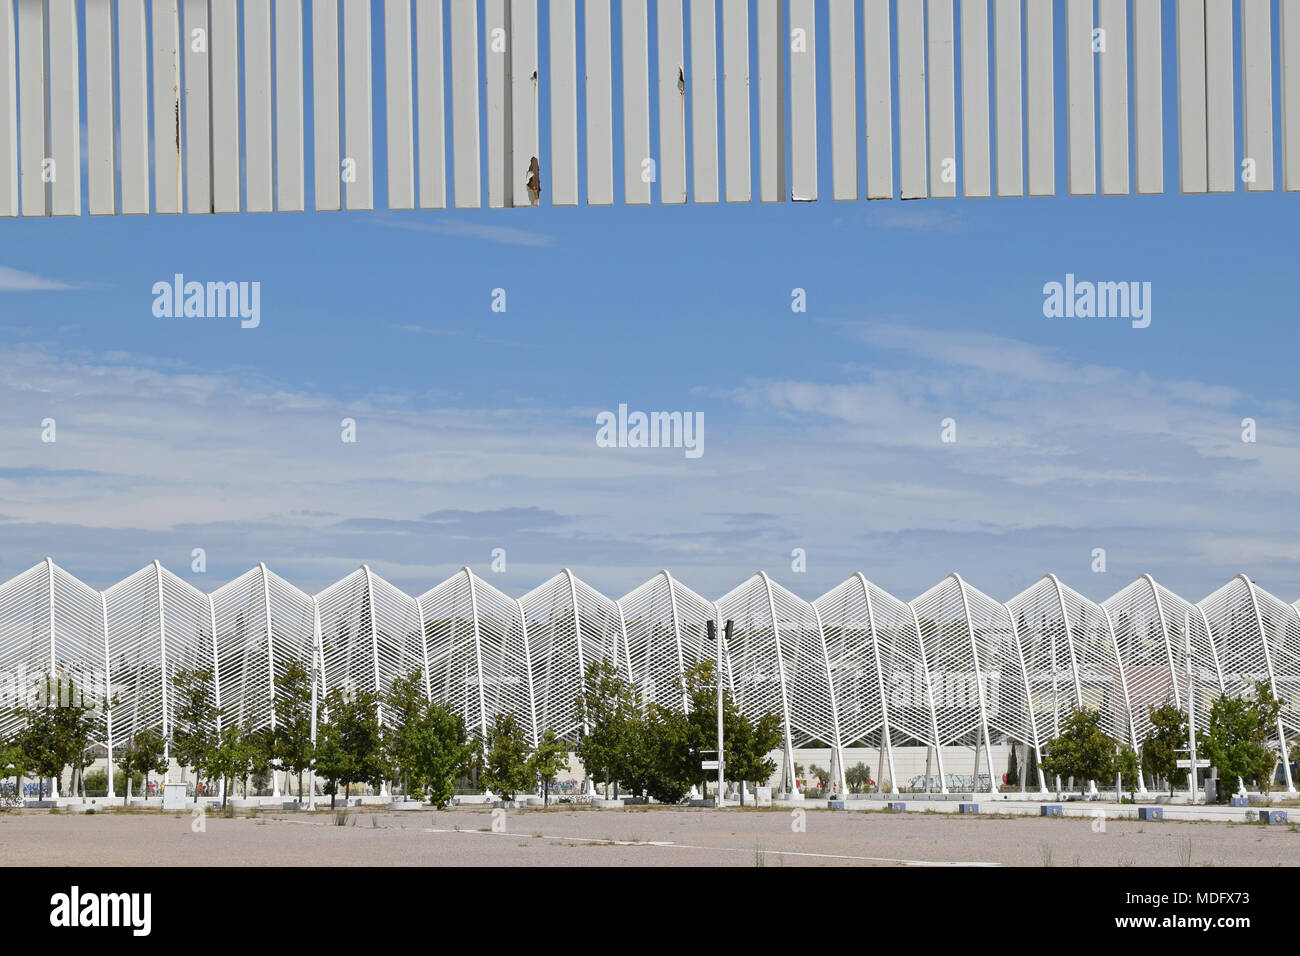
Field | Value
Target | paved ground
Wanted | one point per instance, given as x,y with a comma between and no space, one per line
644,837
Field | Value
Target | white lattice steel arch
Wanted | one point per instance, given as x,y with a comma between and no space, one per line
855,667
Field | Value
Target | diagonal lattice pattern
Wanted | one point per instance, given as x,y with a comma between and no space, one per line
856,667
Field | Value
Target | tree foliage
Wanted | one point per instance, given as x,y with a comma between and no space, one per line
1239,735
1082,750
503,757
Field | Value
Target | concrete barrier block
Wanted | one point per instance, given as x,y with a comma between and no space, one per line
1272,816
896,806
1151,813
1239,801
835,804
968,808
1051,810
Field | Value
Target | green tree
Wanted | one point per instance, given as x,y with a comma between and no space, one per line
1126,765
857,777
749,744
439,752
404,710
145,752
609,704
1166,744
291,741
659,761
350,742
1082,750
1238,738
550,757
503,757
56,729
194,722
231,758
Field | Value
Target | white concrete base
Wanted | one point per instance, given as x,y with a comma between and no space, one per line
405,805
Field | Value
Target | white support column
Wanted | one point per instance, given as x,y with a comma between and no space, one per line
929,692
374,647
528,661
577,638
1164,627
677,639
216,683
424,649
478,652
52,687
108,695
1128,706
886,743
780,669
1029,700
839,783
270,662
162,644
1214,651
317,668
979,680
1272,683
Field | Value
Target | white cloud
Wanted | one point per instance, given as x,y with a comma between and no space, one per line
14,280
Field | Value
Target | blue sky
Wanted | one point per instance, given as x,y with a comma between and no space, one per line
477,429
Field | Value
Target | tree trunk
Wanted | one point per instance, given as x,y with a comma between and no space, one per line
742,793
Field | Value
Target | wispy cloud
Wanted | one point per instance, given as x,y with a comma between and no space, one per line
15,280
914,217
460,229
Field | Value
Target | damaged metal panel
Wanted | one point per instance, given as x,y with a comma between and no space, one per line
525,167
672,103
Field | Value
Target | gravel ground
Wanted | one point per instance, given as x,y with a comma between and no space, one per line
632,837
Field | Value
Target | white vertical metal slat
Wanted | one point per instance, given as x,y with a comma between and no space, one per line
467,185
1220,131
803,102
599,87
65,108
1112,17
399,116
101,144
636,103
1257,91
876,57
1192,161
167,152
1288,27
430,99
496,66
1148,99
198,134
940,75
325,111
223,49
703,84
735,98
358,104
773,41
1040,84
671,71
133,105
844,99
911,101
8,112
1009,84
259,150
31,103
290,181
1081,110
524,139
975,98
563,174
